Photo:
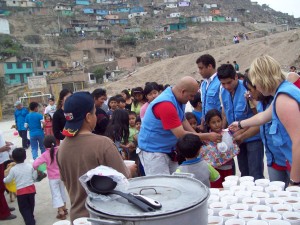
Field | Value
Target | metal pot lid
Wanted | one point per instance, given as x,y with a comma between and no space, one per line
175,193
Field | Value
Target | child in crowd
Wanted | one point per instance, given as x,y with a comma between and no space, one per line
151,91
48,129
56,185
138,123
197,104
112,105
51,108
33,122
191,118
121,103
118,130
189,146
213,121
138,100
131,146
24,176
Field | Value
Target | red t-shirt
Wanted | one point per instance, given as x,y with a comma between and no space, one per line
297,83
167,113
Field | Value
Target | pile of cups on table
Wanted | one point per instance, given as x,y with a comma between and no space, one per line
245,202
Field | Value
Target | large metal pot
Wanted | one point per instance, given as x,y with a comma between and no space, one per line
183,199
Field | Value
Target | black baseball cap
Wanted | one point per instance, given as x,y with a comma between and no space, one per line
75,109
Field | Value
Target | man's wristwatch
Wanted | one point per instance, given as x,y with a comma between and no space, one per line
239,125
294,183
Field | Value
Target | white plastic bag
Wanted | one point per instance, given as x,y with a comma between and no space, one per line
227,141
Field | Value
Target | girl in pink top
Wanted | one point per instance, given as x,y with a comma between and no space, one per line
151,91
56,185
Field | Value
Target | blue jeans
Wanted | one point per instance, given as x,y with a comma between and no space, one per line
251,159
279,175
37,142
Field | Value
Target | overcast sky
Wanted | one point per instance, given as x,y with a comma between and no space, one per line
292,7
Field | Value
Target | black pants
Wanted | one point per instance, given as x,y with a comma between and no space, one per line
25,140
26,207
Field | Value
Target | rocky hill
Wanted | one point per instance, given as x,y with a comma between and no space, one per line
284,47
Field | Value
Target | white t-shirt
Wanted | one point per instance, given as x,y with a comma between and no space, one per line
4,156
50,109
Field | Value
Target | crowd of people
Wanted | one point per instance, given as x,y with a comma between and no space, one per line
150,125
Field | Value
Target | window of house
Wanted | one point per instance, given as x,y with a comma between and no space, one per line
27,74
52,63
19,65
12,76
92,77
38,63
28,65
9,66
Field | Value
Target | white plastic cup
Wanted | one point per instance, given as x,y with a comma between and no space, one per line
235,222
261,209
236,188
268,216
294,190
291,200
217,207
292,217
216,220
62,222
248,215
261,195
279,222
296,207
239,207
247,183
210,212
246,178
262,182
214,191
228,214
81,221
242,194
213,198
273,201
255,188
278,183
251,201
281,208
228,183
257,222
229,199
225,193
232,177
282,194
271,189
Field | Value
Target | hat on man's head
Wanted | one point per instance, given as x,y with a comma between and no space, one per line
18,103
75,109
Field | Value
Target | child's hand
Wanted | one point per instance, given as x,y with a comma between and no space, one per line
215,137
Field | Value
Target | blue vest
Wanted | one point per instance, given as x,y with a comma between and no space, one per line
236,107
210,97
20,115
153,137
274,153
278,132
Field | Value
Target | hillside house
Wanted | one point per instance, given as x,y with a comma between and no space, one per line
132,30
175,27
92,50
82,2
219,19
254,3
46,67
40,11
20,3
171,5
16,73
4,26
78,23
183,4
174,15
114,2
215,11
62,7
88,11
102,12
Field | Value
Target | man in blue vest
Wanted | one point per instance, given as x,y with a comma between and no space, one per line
163,124
20,115
210,87
236,108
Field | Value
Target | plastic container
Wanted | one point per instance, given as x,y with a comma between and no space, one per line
42,167
215,220
81,221
251,201
278,183
282,194
228,214
235,222
261,209
279,222
271,189
62,222
294,190
229,183
217,207
281,208
232,177
213,198
268,216
257,222
262,182
292,217
273,201
229,199
246,178
255,188
261,195
248,215
239,207
214,191
242,194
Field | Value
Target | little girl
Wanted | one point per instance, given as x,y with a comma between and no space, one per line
56,185
213,120
191,118
138,100
151,91
118,130
48,130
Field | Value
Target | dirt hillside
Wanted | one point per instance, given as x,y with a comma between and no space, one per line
284,47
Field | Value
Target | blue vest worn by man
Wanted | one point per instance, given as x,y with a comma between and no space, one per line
278,132
210,96
274,153
153,137
20,115
236,107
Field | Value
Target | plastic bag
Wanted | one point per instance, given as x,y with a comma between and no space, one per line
122,182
